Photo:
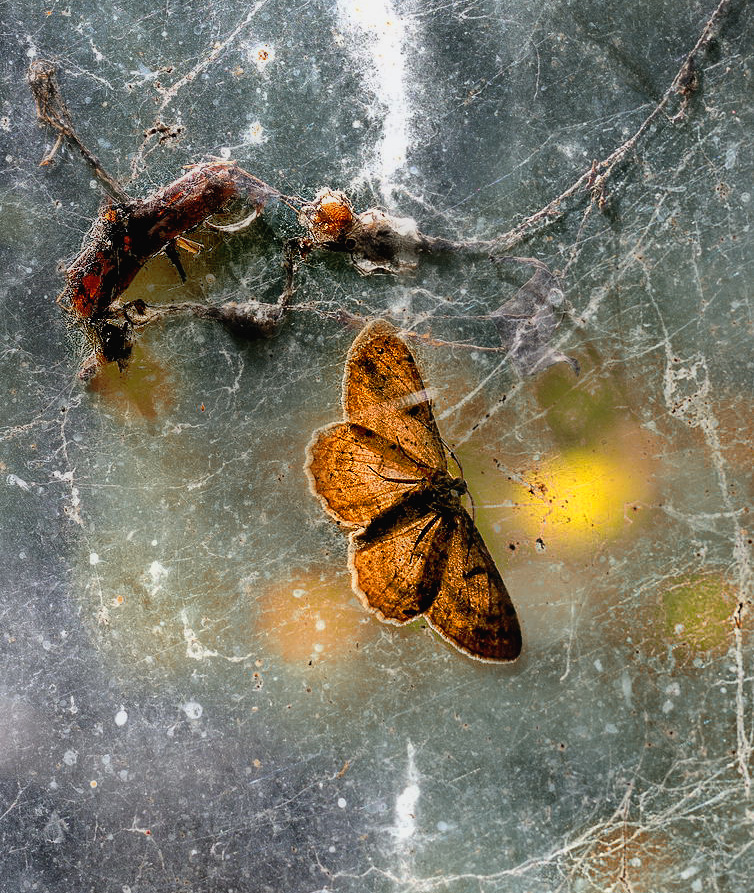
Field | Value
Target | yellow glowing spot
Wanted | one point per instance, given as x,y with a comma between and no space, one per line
119,599
92,784
582,495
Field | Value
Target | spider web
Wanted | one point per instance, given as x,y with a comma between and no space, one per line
191,693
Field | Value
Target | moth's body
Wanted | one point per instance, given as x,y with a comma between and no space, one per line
383,473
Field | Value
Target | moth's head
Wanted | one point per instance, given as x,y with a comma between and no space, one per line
457,487
447,487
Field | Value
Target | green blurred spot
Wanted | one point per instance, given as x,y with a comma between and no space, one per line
697,612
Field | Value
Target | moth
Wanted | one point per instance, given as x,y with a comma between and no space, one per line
382,473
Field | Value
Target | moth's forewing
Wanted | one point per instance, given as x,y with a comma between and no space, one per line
357,474
383,390
394,565
472,608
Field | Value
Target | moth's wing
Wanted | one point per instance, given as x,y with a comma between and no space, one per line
394,564
472,608
383,390
357,474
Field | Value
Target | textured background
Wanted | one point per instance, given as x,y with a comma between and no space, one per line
190,695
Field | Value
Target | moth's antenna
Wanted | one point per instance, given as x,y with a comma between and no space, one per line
460,469
453,455
473,506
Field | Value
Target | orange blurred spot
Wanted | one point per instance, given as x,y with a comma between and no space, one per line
315,616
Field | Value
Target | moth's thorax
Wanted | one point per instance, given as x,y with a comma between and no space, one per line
447,490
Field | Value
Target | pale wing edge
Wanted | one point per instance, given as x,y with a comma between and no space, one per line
309,458
362,596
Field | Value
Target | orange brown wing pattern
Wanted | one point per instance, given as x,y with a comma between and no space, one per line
472,608
384,471
393,567
433,563
357,474
383,391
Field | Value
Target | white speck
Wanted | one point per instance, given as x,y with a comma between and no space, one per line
319,648
673,689
298,593
405,802
121,717
71,757
598,665
154,543
261,55
357,125
678,629
192,709
667,706
320,625
93,184
689,872
15,481
93,558
254,135
697,885
745,198
225,153
626,686
405,811
342,802
611,728
157,571
443,826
